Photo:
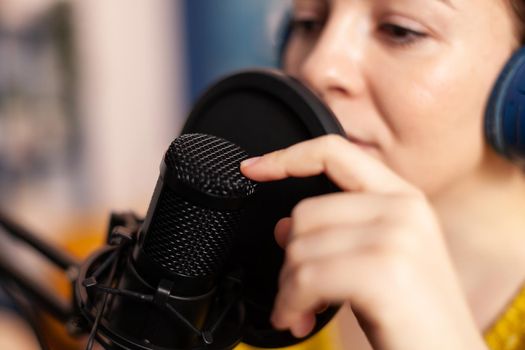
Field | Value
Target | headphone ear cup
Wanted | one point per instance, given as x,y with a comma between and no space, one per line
505,113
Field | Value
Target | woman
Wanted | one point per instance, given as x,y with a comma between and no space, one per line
425,242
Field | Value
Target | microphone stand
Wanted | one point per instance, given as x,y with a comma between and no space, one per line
57,307
95,285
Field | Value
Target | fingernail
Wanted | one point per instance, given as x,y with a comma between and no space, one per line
250,161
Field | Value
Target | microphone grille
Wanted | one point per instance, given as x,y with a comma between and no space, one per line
209,164
188,239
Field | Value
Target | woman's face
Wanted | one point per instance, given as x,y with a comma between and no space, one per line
408,79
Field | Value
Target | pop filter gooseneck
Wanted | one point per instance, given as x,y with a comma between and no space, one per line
262,111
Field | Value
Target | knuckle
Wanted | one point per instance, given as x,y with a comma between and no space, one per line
275,154
333,141
396,268
301,208
403,241
294,253
302,211
391,238
399,239
301,277
277,157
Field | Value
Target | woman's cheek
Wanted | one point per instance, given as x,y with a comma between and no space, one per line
435,130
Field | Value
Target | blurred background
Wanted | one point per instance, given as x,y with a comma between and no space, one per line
92,92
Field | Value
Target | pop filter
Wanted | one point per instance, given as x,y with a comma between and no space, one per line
262,111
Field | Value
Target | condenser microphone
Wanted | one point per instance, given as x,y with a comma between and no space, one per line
176,287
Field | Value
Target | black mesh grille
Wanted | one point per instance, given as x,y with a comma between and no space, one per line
186,238
209,164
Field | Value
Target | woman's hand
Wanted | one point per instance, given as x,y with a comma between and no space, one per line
376,245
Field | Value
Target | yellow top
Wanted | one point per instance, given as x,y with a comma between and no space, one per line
507,333
324,340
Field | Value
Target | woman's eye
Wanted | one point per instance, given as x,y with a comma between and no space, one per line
307,26
400,35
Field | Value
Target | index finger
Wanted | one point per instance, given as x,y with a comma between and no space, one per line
348,166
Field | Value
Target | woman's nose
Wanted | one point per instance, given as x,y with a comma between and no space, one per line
334,67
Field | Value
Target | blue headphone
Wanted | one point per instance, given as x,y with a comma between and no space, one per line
504,121
505,113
